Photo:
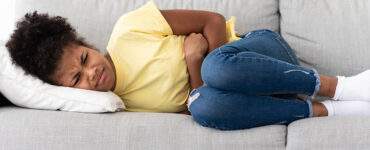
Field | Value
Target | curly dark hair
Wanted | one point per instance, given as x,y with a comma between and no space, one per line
38,41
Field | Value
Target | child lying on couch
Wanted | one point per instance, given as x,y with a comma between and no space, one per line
164,60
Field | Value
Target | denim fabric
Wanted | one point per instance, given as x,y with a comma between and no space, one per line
242,80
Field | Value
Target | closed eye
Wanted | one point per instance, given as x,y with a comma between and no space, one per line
77,77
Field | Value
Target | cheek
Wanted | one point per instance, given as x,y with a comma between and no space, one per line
108,77
111,79
62,81
84,84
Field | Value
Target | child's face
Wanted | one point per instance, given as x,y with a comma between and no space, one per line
85,68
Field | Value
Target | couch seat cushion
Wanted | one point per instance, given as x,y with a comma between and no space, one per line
44,130
324,133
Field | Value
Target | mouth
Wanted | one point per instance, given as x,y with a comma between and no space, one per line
100,78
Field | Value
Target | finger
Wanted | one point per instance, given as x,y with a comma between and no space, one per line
192,34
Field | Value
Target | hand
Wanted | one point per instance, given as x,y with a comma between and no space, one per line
195,45
195,48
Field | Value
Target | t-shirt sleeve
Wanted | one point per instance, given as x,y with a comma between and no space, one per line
146,19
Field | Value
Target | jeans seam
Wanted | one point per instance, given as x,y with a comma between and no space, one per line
286,49
277,38
265,59
256,33
315,73
224,54
255,58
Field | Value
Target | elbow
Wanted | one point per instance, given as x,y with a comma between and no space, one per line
218,18
218,22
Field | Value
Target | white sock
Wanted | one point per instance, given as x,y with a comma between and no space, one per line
347,108
355,88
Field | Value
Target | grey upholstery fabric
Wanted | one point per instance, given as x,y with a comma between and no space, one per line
94,19
330,36
45,130
329,133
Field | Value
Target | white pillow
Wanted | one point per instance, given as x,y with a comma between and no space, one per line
28,91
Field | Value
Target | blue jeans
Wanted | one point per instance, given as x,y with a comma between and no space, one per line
252,82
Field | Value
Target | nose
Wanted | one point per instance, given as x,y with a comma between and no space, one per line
91,73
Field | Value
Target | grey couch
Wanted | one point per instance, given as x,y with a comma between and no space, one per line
330,36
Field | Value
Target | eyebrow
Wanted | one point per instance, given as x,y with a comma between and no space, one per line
87,55
81,57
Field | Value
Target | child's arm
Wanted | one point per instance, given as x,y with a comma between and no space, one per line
211,25
195,48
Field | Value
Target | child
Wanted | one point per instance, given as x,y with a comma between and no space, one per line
160,60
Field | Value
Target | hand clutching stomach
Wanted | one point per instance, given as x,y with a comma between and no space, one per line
195,49
195,45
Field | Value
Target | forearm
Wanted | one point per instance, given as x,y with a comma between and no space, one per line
194,64
211,24
215,34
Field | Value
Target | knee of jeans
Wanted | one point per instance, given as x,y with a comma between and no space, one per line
196,102
207,71
203,110
208,113
211,76
220,72
203,114
214,69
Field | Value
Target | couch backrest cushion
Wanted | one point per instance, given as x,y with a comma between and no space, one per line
94,19
330,36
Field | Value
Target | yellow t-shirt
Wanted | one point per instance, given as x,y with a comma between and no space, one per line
150,63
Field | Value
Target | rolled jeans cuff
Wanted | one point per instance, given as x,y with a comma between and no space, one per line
317,84
310,111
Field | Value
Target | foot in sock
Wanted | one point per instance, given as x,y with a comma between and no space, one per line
347,108
354,88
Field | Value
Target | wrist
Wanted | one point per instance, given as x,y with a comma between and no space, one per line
194,56
194,63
